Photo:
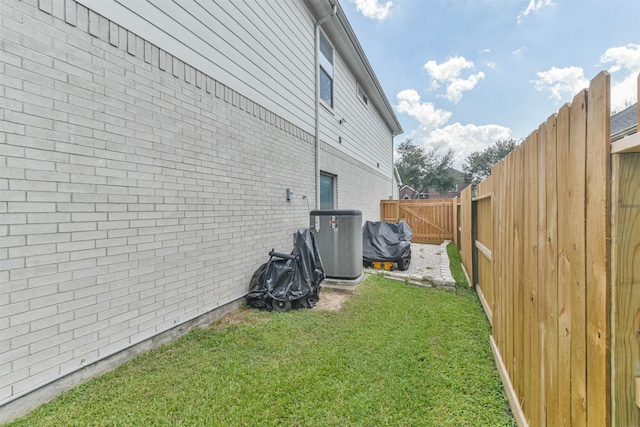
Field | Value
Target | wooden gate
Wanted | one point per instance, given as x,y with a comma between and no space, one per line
431,220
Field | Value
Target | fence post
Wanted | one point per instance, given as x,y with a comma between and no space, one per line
625,282
454,215
474,239
625,352
465,235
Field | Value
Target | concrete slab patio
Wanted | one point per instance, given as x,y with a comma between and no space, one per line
429,267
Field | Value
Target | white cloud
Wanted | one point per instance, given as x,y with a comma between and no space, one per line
425,112
561,82
519,51
623,93
624,66
449,72
533,7
465,139
623,57
373,9
455,89
624,72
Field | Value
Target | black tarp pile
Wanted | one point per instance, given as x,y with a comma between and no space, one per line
287,281
386,241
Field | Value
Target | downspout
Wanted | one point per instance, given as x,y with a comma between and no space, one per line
394,172
317,25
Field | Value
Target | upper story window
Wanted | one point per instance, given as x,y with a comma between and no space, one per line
326,70
361,95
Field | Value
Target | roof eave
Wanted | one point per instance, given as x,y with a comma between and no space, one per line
624,132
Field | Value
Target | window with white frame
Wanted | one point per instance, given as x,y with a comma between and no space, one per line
361,95
326,70
327,191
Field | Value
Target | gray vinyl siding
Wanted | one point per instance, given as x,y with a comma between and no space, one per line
365,137
265,51
261,49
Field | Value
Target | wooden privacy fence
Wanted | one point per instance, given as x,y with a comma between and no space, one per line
552,242
431,220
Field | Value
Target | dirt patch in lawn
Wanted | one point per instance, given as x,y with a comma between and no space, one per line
331,300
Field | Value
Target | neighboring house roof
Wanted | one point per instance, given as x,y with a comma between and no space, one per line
406,187
625,122
407,192
343,37
456,173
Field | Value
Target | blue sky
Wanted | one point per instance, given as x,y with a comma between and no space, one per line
465,73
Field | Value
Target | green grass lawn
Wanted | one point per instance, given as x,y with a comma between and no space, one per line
395,355
455,264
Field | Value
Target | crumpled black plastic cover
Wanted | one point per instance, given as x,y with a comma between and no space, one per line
386,241
297,279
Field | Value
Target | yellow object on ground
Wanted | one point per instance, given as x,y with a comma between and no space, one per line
383,265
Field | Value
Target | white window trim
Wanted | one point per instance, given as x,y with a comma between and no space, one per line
362,95
334,187
329,69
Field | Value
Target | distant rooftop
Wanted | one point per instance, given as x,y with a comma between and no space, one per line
625,122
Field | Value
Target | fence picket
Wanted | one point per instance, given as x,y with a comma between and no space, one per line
531,403
551,267
598,180
563,263
573,245
517,267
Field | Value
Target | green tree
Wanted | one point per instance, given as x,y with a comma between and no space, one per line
437,170
425,170
479,163
410,162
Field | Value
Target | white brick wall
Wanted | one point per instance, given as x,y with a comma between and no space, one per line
136,193
358,187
